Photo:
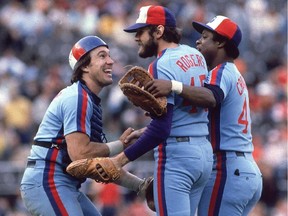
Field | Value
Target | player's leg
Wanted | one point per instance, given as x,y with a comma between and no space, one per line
53,195
86,205
74,201
252,203
258,181
233,186
39,202
171,182
204,203
199,185
244,185
178,167
172,196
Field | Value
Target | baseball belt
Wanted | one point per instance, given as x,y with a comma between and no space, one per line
50,144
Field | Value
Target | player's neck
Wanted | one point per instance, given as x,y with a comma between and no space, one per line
219,59
96,89
166,45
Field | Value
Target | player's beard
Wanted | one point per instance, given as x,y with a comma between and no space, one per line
149,49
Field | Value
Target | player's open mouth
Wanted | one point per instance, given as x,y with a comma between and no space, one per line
108,70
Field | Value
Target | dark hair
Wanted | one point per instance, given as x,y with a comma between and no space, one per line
229,47
171,34
78,72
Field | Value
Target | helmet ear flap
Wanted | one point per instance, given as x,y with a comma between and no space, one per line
82,47
79,67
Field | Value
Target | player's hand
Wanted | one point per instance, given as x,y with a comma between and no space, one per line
124,136
159,88
131,138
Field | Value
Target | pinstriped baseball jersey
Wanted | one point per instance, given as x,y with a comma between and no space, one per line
230,122
187,65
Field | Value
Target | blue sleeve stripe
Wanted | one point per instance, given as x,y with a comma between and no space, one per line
214,127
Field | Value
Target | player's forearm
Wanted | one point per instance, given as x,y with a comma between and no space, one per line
94,149
199,96
89,150
79,146
107,149
157,132
120,160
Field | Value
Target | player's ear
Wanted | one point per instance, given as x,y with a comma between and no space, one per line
221,44
159,31
84,68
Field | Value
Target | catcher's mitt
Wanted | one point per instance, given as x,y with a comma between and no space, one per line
132,84
102,170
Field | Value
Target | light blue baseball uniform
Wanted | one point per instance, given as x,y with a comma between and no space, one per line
183,163
46,188
235,184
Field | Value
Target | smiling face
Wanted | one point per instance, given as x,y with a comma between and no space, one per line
98,73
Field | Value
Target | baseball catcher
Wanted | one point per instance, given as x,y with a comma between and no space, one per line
132,84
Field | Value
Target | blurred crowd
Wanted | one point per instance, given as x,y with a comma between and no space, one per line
36,37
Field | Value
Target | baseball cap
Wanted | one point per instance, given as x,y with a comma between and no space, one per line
153,15
225,27
83,46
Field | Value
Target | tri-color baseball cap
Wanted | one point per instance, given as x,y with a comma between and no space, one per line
225,27
153,15
82,47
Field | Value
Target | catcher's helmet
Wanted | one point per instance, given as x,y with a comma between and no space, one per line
82,47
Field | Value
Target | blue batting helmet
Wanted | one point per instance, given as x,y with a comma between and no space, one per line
82,47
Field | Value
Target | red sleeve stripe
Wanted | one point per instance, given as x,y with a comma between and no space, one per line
82,110
216,74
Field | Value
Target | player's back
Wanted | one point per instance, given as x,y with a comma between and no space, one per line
231,119
187,65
